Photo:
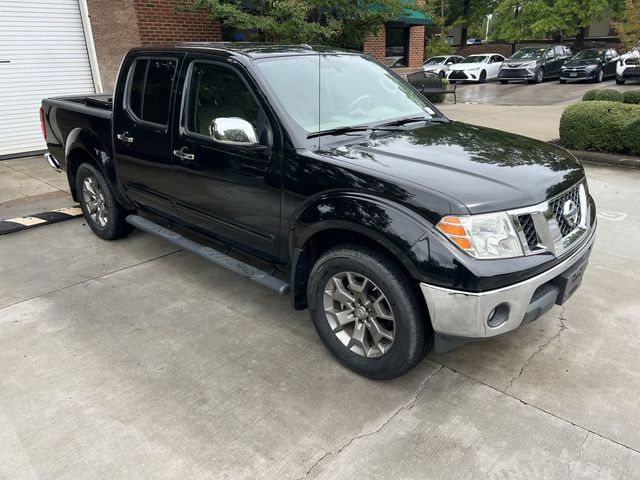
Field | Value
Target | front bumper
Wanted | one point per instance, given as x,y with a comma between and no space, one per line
516,73
464,315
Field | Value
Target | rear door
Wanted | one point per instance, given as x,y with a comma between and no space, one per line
551,63
142,129
228,191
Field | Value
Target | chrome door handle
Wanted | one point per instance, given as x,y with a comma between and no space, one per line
183,155
124,137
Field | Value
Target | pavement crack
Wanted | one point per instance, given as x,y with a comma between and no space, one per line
407,406
578,456
541,347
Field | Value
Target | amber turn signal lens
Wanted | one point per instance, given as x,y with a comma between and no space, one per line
452,229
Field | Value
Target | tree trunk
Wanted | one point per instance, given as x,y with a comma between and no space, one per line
582,32
465,13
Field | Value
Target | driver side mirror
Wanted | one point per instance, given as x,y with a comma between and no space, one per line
233,131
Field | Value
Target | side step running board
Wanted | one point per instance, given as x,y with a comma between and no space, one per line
236,266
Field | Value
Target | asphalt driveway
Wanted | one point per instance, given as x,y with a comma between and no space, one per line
131,359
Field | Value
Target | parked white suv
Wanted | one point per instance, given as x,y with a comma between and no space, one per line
628,67
441,64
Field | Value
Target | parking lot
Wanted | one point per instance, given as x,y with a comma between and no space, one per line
130,359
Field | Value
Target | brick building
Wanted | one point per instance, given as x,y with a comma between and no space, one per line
400,43
119,25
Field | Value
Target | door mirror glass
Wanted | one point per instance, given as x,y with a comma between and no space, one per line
232,131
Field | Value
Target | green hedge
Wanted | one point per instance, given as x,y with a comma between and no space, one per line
605,94
632,96
601,125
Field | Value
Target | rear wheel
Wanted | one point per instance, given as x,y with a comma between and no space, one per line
367,312
104,215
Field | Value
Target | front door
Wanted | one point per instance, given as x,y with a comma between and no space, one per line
228,191
142,129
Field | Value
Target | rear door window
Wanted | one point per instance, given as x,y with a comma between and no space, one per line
151,82
559,51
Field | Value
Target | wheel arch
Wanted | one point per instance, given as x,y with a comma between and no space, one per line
322,225
84,146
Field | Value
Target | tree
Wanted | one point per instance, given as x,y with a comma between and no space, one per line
333,22
629,27
523,19
467,13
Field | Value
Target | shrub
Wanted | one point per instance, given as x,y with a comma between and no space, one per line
606,94
632,96
609,95
438,46
601,125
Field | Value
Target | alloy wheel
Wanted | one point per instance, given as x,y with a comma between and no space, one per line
95,201
359,314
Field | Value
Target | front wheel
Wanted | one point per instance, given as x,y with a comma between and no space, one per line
563,81
441,73
599,76
483,76
104,215
367,312
540,75
504,81
620,81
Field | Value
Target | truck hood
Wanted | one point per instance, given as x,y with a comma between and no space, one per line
484,169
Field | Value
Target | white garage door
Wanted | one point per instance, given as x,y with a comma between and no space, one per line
43,53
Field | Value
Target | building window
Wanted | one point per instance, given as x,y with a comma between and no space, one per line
396,47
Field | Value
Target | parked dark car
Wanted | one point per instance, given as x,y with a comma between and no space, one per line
593,64
399,229
534,64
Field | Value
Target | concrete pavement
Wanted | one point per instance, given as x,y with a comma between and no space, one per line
130,359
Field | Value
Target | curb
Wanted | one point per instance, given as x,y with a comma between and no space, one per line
607,158
12,225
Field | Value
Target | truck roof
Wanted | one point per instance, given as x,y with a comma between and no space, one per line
247,49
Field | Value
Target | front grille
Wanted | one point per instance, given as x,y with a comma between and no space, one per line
458,75
581,73
514,73
529,230
631,72
557,207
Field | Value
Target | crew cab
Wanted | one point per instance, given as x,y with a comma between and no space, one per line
320,173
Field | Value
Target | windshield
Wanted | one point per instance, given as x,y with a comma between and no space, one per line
475,59
589,54
324,92
529,53
435,60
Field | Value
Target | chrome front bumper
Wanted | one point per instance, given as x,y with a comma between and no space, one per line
456,313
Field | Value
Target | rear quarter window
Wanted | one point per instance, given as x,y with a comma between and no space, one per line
150,89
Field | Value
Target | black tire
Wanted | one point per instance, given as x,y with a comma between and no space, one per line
599,76
483,77
620,81
115,225
441,73
563,81
540,75
412,336
504,81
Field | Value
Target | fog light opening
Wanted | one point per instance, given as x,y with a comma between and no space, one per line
498,315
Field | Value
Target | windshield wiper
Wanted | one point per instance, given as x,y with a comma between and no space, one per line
388,126
340,130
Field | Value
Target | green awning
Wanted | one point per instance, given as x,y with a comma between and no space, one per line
414,17
410,16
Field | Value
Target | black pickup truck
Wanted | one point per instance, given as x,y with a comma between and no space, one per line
400,230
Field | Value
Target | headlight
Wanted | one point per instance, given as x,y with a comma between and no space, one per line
563,67
474,69
490,235
530,64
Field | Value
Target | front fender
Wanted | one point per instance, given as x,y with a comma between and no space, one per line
391,225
